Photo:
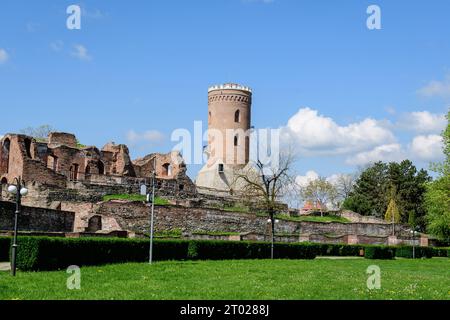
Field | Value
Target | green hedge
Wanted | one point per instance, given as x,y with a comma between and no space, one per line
420,252
43,253
441,252
229,250
379,252
5,244
337,250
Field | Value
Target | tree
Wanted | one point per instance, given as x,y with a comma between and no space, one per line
437,197
265,183
320,191
393,214
39,133
371,193
344,184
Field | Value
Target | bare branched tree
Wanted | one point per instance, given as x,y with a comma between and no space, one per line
321,192
266,184
39,133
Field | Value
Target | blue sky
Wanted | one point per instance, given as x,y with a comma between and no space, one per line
139,69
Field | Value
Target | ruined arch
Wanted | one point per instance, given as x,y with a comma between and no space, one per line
94,224
27,142
95,167
167,170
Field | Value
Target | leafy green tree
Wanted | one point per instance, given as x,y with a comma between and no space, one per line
371,194
437,197
320,191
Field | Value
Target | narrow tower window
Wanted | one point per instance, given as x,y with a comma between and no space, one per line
236,141
237,116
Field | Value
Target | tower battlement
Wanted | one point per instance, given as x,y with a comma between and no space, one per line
229,86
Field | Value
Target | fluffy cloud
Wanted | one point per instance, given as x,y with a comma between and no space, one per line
80,52
424,148
423,122
315,134
427,148
436,88
3,56
150,136
304,180
385,152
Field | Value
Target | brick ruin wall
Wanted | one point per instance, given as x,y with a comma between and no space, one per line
134,216
36,219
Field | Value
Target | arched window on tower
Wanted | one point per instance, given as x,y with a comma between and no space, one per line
237,116
236,141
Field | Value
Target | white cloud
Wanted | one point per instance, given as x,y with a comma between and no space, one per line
150,136
436,88
315,134
304,180
57,45
81,52
427,148
423,122
386,152
4,56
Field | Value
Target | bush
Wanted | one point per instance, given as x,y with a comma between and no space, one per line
379,252
43,253
419,252
440,252
5,245
228,250
338,250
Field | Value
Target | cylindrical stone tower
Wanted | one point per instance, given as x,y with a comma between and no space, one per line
229,124
229,120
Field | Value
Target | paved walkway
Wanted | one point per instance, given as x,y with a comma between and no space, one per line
5,266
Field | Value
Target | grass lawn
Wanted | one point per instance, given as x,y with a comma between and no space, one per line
245,279
134,197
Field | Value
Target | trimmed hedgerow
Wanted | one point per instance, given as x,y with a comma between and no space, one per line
379,252
5,244
44,253
419,252
440,252
338,249
228,250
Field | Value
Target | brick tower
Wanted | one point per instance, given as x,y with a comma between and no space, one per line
229,123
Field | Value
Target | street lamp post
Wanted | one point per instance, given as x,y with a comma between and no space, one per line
272,223
19,190
153,211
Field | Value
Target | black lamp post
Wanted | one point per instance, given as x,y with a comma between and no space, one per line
19,190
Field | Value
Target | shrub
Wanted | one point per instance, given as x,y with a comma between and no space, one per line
43,253
5,245
379,252
440,252
338,249
419,252
228,250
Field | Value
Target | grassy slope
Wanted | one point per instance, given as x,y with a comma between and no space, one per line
264,279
